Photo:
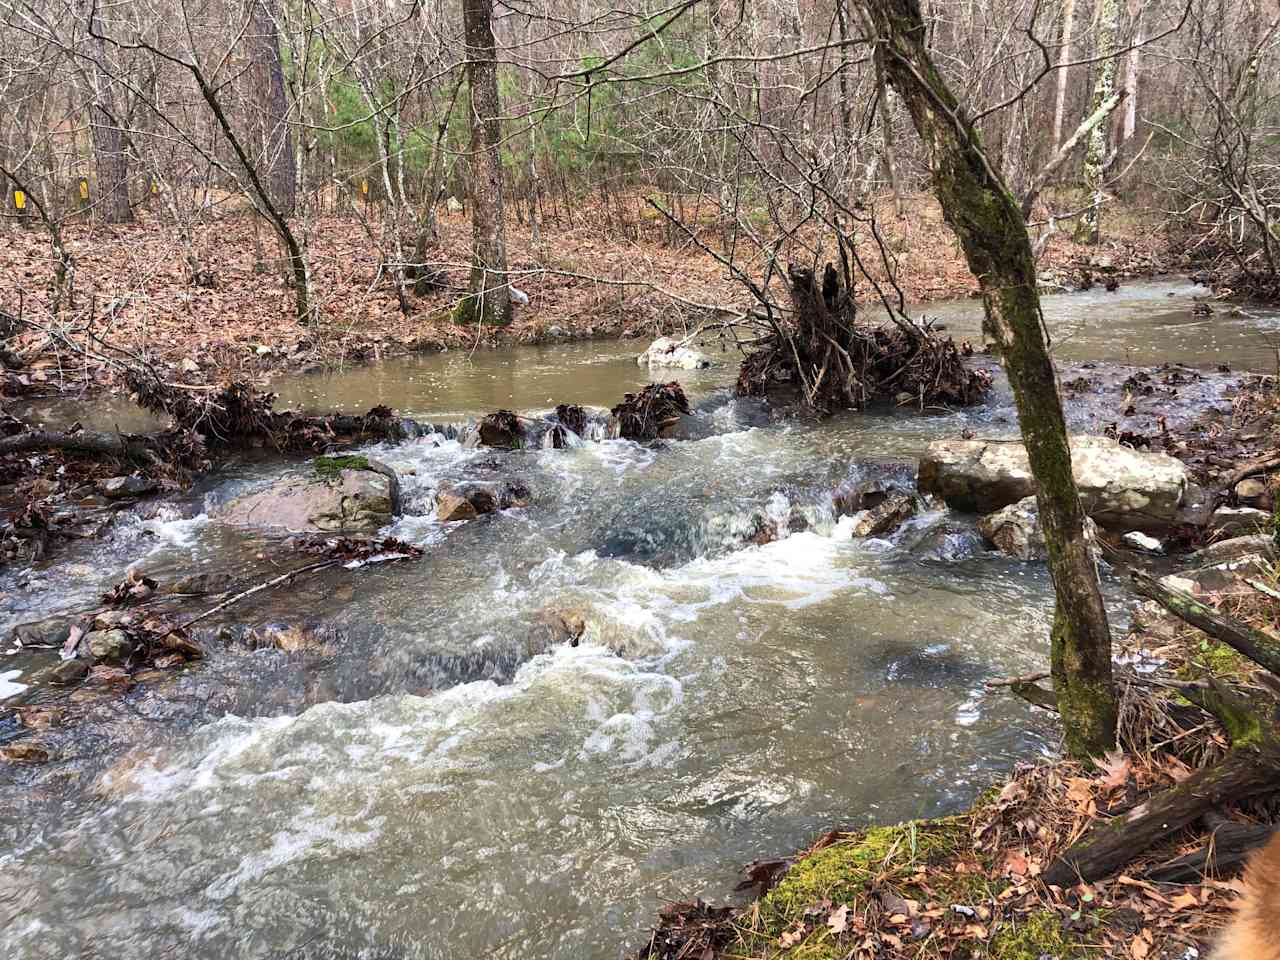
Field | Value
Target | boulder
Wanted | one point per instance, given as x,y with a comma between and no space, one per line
118,488
1228,522
1121,488
665,352
1015,530
472,498
358,498
885,517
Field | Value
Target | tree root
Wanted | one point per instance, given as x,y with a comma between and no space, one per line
837,364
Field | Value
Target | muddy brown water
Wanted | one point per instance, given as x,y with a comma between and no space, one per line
424,790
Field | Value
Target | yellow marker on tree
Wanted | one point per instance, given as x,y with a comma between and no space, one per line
19,199
84,188
364,187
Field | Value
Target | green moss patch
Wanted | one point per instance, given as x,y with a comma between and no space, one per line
330,468
1038,935
917,866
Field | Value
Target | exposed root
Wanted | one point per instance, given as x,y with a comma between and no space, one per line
645,415
837,364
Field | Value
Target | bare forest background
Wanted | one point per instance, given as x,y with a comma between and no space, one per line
318,163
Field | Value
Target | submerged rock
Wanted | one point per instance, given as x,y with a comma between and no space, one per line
665,352
291,638
473,498
67,672
553,628
355,496
1121,488
110,646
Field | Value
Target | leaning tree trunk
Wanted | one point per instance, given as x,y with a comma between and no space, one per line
1089,229
985,217
488,299
110,156
277,142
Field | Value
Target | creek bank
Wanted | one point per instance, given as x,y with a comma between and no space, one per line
974,884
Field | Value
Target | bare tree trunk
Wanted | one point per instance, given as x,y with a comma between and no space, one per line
109,151
278,144
991,229
886,132
1064,55
489,298
1136,10
1089,229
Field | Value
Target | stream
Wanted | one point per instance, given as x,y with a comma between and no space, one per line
424,790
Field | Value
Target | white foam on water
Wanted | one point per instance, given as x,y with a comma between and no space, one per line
8,685
181,532
308,832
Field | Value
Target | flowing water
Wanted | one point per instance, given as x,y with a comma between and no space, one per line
430,790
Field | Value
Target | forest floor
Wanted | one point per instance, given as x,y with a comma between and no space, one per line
971,885
614,271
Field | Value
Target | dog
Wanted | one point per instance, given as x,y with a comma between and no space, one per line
1254,932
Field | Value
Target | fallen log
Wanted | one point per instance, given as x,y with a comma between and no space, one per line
1245,773
1229,846
124,446
1257,646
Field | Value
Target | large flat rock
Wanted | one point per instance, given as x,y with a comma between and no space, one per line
343,501
1121,488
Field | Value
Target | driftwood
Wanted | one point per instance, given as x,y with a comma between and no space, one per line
644,415
1245,470
123,446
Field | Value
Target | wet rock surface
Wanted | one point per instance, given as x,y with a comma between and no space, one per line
667,352
468,499
1121,488
1016,532
886,517
359,499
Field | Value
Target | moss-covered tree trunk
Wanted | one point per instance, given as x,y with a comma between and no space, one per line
980,209
488,298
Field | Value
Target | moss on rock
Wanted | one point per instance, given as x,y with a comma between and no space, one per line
330,468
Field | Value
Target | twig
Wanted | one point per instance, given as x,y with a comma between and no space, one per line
283,578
